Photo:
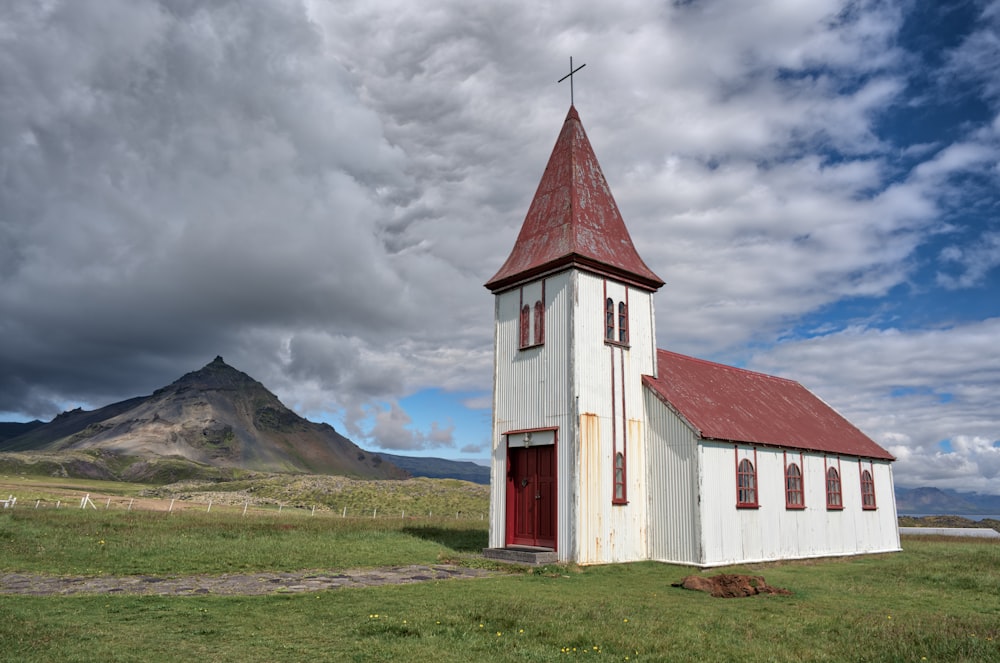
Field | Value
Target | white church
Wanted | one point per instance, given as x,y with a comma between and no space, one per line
607,449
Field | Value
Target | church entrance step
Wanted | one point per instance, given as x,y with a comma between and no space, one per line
522,555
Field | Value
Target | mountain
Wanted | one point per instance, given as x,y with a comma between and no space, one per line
216,416
936,501
9,429
441,468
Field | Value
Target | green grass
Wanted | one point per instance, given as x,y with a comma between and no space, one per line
413,497
86,542
888,608
939,600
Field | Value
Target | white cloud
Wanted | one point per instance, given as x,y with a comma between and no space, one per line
317,191
910,390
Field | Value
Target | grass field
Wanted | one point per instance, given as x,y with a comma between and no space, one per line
938,600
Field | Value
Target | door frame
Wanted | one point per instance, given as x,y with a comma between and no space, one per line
521,439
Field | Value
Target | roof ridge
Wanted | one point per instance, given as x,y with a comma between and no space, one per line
729,367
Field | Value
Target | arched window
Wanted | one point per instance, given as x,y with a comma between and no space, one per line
794,498
525,325
622,322
746,484
619,496
834,497
867,490
539,323
609,319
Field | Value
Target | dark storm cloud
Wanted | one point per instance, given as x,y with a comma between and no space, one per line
317,191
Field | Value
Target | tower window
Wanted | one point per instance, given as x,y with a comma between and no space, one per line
531,320
622,322
620,494
609,319
525,325
539,322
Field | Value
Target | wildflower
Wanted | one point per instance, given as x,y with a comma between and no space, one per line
625,620
499,634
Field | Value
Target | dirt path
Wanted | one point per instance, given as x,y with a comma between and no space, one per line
26,584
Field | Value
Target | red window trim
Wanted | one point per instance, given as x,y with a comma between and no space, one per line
609,320
620,480
525,339
870,484
525,325
619,475
752,474
831,503
789,491
623,321
615,334
539,322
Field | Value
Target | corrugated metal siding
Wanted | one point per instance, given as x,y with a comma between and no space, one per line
773,532
531,390
609,387
672,480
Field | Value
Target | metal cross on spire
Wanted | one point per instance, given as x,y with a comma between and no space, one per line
570,77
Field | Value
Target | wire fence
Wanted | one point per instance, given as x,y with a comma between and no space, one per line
228,506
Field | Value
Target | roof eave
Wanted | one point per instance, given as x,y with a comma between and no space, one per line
500,284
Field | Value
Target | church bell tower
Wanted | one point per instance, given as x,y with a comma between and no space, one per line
573,337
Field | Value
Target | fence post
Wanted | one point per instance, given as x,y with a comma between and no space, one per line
209,509
171,509
345,513
245,505
374,512
130,503
313,511
108,505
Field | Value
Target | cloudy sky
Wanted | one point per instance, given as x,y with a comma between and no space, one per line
317,190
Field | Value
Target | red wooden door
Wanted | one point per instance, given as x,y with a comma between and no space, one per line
531,497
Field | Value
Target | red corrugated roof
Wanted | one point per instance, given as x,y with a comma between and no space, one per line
573,220
727,403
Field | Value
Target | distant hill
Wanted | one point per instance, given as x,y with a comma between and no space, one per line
9,429
217,417
441,468
940,502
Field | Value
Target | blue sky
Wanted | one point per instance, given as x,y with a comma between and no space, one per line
318,190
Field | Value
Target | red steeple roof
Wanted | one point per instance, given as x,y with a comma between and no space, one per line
574,221
736,405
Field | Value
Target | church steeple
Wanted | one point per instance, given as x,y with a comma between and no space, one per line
574,221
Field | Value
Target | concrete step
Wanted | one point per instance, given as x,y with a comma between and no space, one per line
522,555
